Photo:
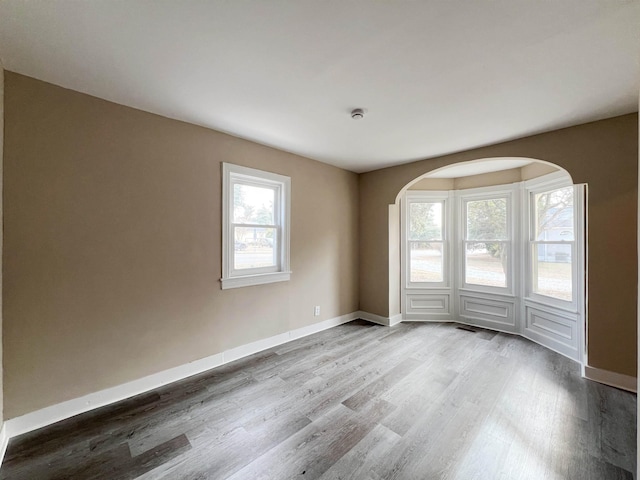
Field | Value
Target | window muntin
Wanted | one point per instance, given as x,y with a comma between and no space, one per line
426,241
255,227
552,243
486,242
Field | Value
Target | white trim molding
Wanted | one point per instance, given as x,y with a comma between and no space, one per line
4,441
61,411
380,320
257,279
280,186
613,379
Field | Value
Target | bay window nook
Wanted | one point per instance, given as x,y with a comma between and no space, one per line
508,257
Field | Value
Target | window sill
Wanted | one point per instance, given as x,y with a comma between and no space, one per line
259,279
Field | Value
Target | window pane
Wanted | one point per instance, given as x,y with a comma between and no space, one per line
487,219
426,262
554,215
254,205
254,247
552,272
425,221
486,263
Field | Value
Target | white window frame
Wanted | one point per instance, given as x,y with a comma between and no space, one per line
281,185
480,194
544,185
427,197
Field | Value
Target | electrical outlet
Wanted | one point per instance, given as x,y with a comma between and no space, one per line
316,311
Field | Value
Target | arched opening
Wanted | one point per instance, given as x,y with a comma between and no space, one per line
497,243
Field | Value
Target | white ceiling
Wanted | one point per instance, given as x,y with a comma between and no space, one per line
434,77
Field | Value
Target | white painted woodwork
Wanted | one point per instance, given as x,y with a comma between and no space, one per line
487,311
280,272
515,308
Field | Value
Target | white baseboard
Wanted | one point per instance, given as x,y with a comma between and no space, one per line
49,415
380,320
55,413
4,441
613,379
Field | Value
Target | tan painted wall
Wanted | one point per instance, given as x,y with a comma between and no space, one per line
536,169
602,154
638,363
434,184
1,233
503,177
112,247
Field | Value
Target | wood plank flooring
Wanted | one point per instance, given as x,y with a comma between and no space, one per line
359,401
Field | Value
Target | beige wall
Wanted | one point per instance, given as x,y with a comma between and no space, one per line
503,177
602,154
1,233
112,248
536,169
434,184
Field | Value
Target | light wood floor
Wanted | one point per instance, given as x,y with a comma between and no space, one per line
416,401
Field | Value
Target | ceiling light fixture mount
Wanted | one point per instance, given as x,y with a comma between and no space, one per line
357,113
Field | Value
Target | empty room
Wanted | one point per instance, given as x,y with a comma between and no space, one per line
329,240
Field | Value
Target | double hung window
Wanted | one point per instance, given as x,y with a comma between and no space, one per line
427,261
552,243
487,242
255,227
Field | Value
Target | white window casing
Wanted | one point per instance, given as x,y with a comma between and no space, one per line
506,240
264,258
572,245
435,242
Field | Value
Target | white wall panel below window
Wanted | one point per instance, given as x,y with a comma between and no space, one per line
554,330
428,306
488,312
